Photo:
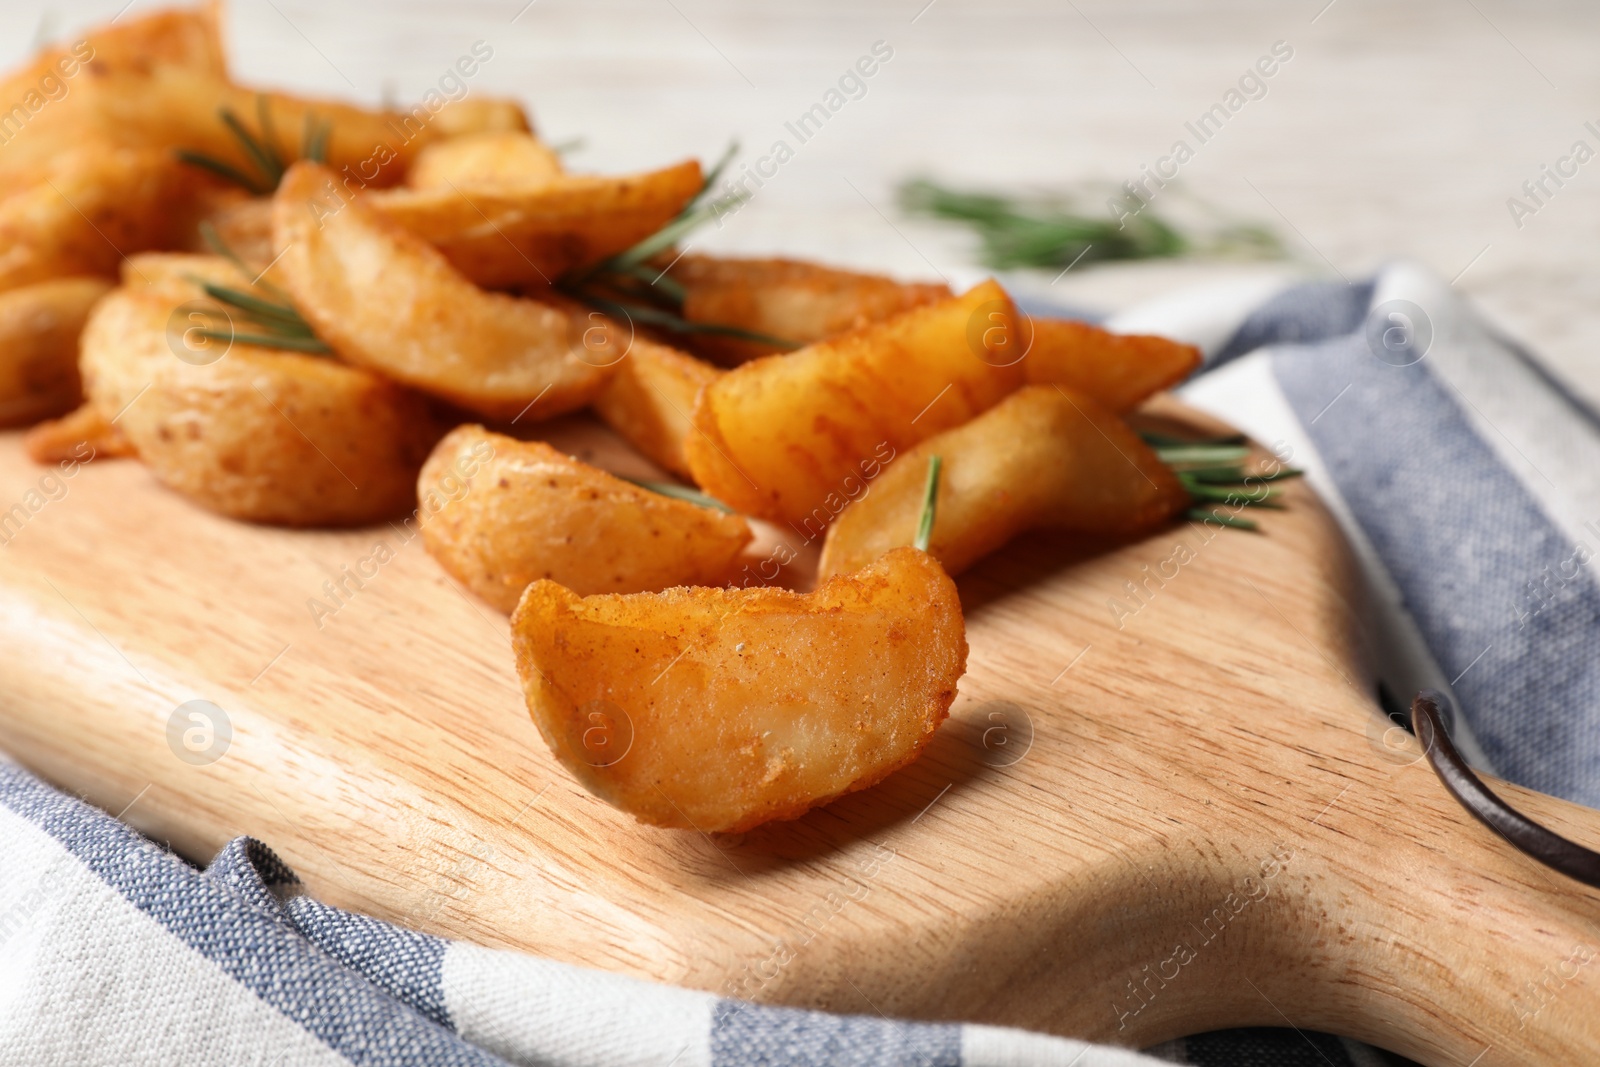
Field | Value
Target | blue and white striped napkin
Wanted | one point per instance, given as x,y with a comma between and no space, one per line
1466,477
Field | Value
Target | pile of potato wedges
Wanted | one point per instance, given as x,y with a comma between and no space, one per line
411,300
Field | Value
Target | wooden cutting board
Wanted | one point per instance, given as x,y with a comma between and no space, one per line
1168,816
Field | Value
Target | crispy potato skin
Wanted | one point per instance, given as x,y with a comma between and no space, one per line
96,206
479,114
245,226
180,37
492,157
650,401
76,435
39,328
793,438
1043,457
186,37
721,709
260,434
788,298
511,512
1120,371
528,234
383,298
172,107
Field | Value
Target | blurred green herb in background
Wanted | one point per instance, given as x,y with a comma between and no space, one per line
1048,233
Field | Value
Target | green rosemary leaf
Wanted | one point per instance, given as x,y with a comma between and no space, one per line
256,306
1230,494
1015,233
680,492
1216,515
669,234
714,175
1234,475
270,171
666,320
214,241
314,141
658,279
1166,440
930,504
269,136
309,345
222,170
1225,475
1203,455
571,144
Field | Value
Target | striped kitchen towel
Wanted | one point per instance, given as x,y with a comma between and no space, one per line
1467,478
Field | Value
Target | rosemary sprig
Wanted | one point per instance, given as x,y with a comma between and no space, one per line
679,492
1016,232
280,323
654,316
1201,455
1215,477
219,247
261,149
629,284
930,504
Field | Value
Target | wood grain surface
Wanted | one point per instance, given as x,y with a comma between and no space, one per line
1140,822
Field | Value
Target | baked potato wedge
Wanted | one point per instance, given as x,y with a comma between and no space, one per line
512,512
385,299
189,37
39,328
721,709
529,234
479,114
650,401
94,206
172,107
1120,371
492,157
794,438
259,434
183,37
1042,457
244,224
788,299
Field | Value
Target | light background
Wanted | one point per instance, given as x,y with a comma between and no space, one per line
1396,129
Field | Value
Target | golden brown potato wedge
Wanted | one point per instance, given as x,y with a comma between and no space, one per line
493,157
1042,457
39,328
383,298
96,206
244,224
480,114
721,709
1120,371
513,512
187,37
83,433
650,401
786,298
258,434
794,438
179,275
173,107
517,235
